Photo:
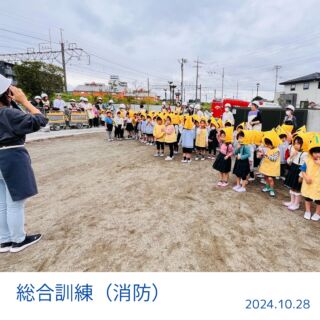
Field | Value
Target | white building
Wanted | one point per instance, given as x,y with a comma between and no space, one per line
302,92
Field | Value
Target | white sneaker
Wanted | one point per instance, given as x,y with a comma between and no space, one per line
196,158
168,158
263,181
294,207
189,161
307,215
219,184
251,179
315,217
175,152
156,155
259,175
235,188
184,161
161,155
202,159
241,189
287,204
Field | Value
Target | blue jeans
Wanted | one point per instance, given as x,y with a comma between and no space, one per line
11,216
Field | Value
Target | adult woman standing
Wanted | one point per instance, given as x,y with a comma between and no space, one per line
254,117
17,181
290,119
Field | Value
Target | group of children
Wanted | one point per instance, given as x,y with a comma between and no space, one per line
275,154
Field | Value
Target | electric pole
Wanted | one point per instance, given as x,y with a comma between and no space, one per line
200,92
197,62
63,62
182,62
277,68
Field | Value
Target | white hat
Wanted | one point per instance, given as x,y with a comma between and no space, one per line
37,97
197,106
72,100
163,103
184,103
5,83
81,98
99,98
111,101
85,99
227,105
43,95
122,106
290,107
256,103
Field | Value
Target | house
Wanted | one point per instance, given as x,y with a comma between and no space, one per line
6,69
302,92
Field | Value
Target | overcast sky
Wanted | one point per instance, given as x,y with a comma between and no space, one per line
141,39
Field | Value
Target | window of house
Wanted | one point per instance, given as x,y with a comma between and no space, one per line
304,104
293,87
306,86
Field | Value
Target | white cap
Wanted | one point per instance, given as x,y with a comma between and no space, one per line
99,98
184,103
5,83
43,95
111,101
227,105
72,100
290,107
37,97
163,103
256,103
81,99
85,99
197,106
122,106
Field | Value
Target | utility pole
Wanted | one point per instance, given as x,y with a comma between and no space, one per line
258,84
200,92
197,62
277,68
148,84
182,62
63,63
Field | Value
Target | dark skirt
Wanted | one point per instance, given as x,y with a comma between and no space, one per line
129,127
221,164
256,161
241,168
292,179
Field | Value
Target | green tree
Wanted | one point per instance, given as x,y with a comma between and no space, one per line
35,77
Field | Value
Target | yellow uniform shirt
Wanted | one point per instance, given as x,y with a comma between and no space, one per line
312,190
201,138
269,167
170,136
157,132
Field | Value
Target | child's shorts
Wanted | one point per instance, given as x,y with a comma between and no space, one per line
149,135
187,150
201,148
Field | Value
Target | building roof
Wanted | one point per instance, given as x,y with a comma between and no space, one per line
310,77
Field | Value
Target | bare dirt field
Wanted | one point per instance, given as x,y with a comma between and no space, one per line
114,207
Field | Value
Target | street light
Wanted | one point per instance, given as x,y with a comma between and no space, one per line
258,84
165,95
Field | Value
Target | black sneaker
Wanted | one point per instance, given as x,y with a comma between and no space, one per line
28,241
5,247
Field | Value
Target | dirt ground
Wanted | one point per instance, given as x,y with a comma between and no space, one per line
114,207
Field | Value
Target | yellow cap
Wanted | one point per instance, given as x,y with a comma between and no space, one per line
248,137
220,123
281,131
273,137
315,142
257,137
214,122
242,124
229,134
196,117
302,129
188,124
287,128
